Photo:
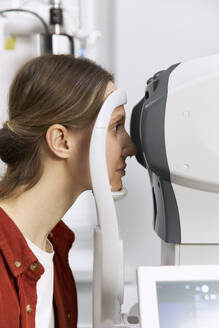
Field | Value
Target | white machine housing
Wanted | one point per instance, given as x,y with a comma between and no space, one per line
175,128
184,296
192,145
108,280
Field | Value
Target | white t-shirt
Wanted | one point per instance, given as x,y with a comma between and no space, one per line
44,308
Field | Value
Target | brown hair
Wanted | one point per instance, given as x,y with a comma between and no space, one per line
47,90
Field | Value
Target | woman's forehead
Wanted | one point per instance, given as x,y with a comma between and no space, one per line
118,113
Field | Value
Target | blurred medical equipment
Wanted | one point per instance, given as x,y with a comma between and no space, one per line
5,11
179,296
54,42
175,128
87,37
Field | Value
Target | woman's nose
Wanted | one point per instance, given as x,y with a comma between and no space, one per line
129,149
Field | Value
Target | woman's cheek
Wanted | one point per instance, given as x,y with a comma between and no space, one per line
114,162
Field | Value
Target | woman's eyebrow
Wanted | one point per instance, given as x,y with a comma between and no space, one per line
118,117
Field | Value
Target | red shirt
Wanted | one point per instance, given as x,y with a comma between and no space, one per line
20,270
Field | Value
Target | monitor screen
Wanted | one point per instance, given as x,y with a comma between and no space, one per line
188,304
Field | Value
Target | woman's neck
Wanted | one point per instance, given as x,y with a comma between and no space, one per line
39,209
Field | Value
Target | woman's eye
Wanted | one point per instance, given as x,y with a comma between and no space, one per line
116,127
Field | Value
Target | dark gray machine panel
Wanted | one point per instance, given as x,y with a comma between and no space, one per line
147,132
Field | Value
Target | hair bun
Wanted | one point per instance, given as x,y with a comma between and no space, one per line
10,148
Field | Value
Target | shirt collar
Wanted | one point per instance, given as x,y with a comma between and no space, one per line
61,238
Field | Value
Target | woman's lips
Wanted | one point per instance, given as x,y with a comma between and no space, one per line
122,170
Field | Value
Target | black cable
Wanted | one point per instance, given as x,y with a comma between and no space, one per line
29,12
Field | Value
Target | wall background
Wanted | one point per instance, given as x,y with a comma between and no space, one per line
139,38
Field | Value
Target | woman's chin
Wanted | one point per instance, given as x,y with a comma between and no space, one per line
116,187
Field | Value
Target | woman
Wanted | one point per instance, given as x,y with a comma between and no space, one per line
53,103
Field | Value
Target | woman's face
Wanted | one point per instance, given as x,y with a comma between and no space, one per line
118,145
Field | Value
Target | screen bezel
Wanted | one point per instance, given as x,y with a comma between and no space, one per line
147,277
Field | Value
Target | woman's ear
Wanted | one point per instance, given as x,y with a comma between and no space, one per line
59,141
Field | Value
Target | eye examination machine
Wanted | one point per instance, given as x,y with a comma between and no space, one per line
175,129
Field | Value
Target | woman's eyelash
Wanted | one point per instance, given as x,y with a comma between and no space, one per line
116,126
